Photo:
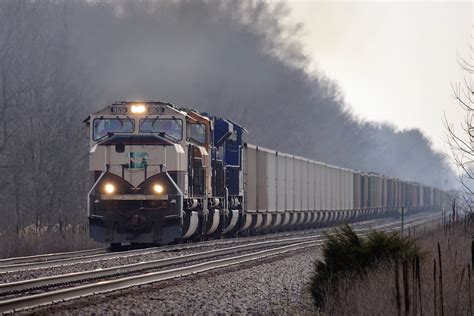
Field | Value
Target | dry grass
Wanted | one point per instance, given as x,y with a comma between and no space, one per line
26,244
427,294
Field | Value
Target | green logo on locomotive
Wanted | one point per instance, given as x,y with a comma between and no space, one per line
138,160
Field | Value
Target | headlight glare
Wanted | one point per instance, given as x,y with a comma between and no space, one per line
109,188
138,108
158,188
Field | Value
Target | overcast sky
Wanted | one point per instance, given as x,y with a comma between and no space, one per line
394,61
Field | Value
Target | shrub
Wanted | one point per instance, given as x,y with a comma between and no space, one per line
345,254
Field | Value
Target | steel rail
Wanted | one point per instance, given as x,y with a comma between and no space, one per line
34,284
67,260
63,255
63,258
84,276
22,303
46,298
51,256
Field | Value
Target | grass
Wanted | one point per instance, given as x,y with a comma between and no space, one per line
47,241
437,281
348,255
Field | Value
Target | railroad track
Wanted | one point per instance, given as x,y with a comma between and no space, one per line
70,258
22,303
52,256
80,277
123,278
58,259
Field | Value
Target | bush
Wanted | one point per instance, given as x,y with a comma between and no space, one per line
345,254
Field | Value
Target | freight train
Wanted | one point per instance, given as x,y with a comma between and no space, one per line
163,174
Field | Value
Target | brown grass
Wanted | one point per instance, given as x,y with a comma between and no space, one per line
428,292
30,243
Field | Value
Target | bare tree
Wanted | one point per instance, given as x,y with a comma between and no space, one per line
461,141
41,141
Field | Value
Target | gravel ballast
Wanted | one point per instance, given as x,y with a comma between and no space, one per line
276,285
149,255
133,259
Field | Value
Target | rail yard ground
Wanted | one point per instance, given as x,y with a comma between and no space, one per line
275,285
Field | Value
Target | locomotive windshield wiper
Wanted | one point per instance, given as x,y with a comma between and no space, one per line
120,120
104,137
154,121
167,136
130,120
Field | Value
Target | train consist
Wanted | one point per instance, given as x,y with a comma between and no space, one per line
164,174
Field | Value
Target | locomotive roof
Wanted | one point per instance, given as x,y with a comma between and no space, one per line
169,106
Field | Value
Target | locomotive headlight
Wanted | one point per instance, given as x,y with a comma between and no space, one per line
109,188
158,188
137,108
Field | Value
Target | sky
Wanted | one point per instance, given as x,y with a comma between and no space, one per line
394,61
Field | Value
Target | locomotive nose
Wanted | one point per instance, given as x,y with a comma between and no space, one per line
136,222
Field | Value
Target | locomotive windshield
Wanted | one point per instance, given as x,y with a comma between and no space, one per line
103,126
198,133
171,127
